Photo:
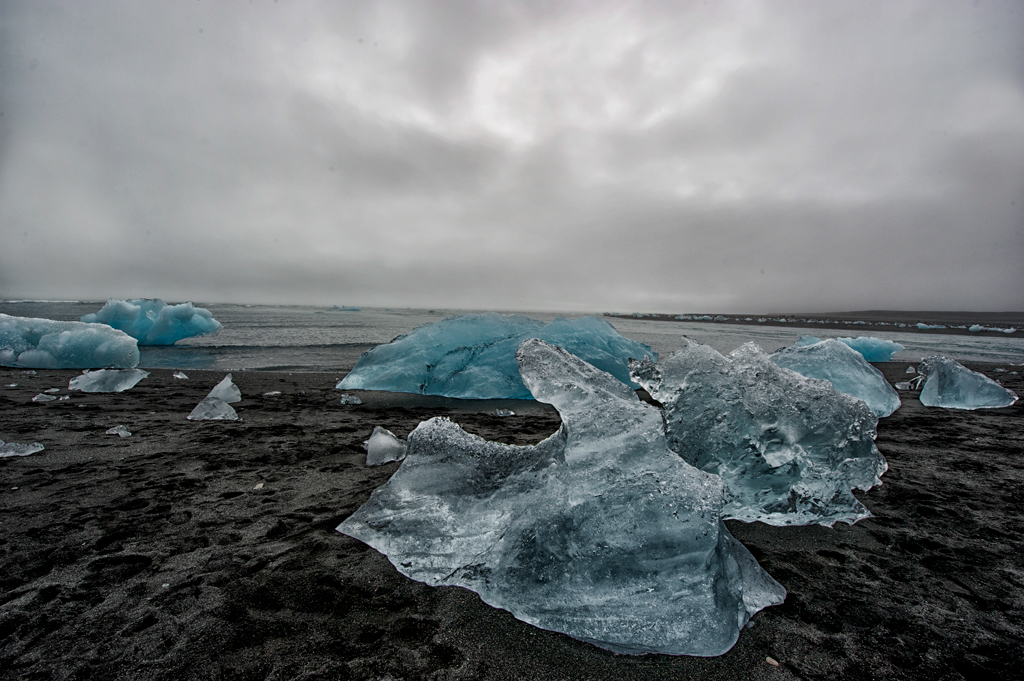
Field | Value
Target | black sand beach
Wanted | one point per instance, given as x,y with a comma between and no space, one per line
208,551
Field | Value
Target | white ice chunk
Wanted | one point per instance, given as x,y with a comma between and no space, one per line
351,399
600,531
789,449
48,344
180,375
43,397
383,447
504,412
272,393
226,391
925,327
107,380
213,409
52,390
119,430
910,370
18,449
844,367
952,385
154,322
473,356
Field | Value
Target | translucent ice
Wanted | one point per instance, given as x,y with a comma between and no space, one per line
107,380
119,430
226,391
154,322
43,397
600,531
504,412
950,384
926,327
473,356
18,449
48,344
847,370
910,370
180,375
872,349
789,449
351,399
215,406
383,447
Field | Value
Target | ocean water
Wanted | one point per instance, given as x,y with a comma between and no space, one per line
306,338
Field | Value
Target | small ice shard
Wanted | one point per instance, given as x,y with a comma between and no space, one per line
119,430
180,374
213,409
473,356
18,449
383,447
844,367
226,391
107,380
903,385
789,449
43,397
952,385
63,397
52,390
504,412
11,385
350,399
154,322
599,532
31,372
272,393
873,349
48,344
910,370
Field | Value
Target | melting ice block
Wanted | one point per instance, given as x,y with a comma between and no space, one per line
952,385
474,356
383,447
873,349
49,344
154,322
19,449
119,430
789,449
107,380
600,531
216,406
845,368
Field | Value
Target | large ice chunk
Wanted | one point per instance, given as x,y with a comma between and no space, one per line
844,367
873,349
788,448
600,531
107,380
952,385
49,344
216,405
473,356
154,322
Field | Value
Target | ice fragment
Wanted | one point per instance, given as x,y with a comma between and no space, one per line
504,412
350,399
950,384
43,397
107,380
119,430
383,447
180,374
910,370
18,449
216,406
154,322
48,344
272,393
226,391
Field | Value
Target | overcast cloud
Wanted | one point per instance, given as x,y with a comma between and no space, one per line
684,156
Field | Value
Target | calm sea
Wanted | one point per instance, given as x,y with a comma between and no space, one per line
301,338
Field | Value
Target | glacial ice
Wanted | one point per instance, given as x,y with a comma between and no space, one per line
600,531
119,430
154,322
910,370
504,412
844,367
926,327
789,449
49,344
350,399
952,385
19,449
226,390
871,348
180,375
216,405
43,397
107,380
473,356
383,447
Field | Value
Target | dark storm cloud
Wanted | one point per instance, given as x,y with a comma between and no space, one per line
594,156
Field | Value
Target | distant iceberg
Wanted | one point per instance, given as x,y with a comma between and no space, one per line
952,385
49,344
154,322
871,348
474,356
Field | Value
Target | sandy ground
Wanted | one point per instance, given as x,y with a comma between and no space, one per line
208,550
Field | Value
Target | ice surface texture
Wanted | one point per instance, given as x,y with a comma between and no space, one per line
48,344
474,356
600,531
844,367
216,406
952,385
154,322
873,349
107,380
788,448
19,449
383,447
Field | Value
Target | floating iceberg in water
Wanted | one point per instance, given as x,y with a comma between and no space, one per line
844,367
154,322
952,385
600,531
48,344
788,448
18,449
107,380
473,356
215,406
383,447
872,349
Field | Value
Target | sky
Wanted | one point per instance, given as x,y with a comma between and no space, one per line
591,156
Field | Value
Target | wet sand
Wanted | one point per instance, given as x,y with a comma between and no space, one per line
208,551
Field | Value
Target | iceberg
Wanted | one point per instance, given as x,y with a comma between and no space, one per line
107,380
383,447
599,532
845,368
154,322
473,356
790,449
872,349
216,406
18,449
952,385
49,344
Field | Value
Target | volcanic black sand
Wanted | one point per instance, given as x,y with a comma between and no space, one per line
208,550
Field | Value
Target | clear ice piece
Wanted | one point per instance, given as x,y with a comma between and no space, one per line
226,391
845,368
180,375
49,344
383,447
43,397
903,385
910,370
213,409
272,393
350,399
52,390
504,412
18,449
107,380
154,322
600,531
119,430
952,385
789,449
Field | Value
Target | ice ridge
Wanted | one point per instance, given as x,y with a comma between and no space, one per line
48,344
154,322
